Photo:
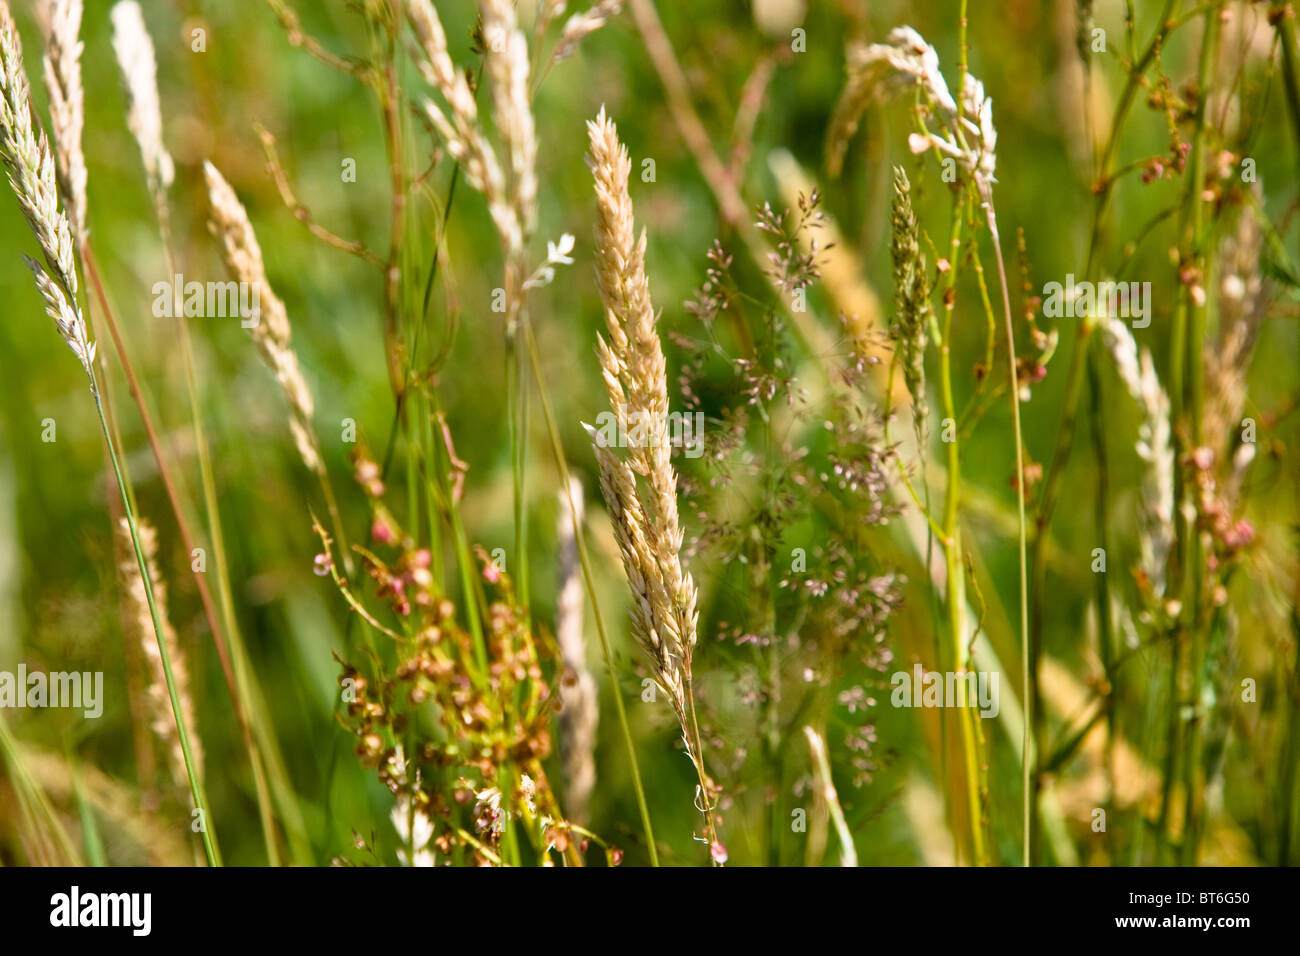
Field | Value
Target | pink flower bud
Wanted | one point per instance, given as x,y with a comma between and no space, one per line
381,532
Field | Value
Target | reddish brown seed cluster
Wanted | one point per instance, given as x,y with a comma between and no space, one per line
454,724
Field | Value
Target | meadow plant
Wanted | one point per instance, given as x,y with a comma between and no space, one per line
880,478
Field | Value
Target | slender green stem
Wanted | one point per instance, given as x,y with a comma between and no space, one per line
146,579
1105,630
516,401
1027,757
697,758
230,622
1196,315
1290,72
955,573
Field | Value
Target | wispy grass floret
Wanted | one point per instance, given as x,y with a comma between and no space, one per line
140,624
30,165
912,310
135,55
1155,447
61,23
243,258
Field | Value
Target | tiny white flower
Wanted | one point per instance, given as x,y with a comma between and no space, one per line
559,254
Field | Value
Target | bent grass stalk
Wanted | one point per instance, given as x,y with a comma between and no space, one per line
822,769
234,667
196,787
31,167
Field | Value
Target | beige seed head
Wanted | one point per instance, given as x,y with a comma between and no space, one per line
61,24
632,362
655,623
1154,447
644,512
30,165
140,622
135,56
458,124
581,25
507,66
243,258
907,62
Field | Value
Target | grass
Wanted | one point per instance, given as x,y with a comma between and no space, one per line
907,457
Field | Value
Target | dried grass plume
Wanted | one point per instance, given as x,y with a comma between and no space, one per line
61,25
135,56
243,258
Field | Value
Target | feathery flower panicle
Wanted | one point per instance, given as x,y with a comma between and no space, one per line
243,258
636,379
655,625
981,158
437,65
66,314
911,298
30,166
61,25
877,72
581,25
904,62
458,124
880,71
547,13
648,530
140,623
135,56
1154,447
507,67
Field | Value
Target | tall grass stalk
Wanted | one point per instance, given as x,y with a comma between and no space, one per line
231,653
30,164
49,843
196,787
1193,313
1022,534
822,771
955,597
